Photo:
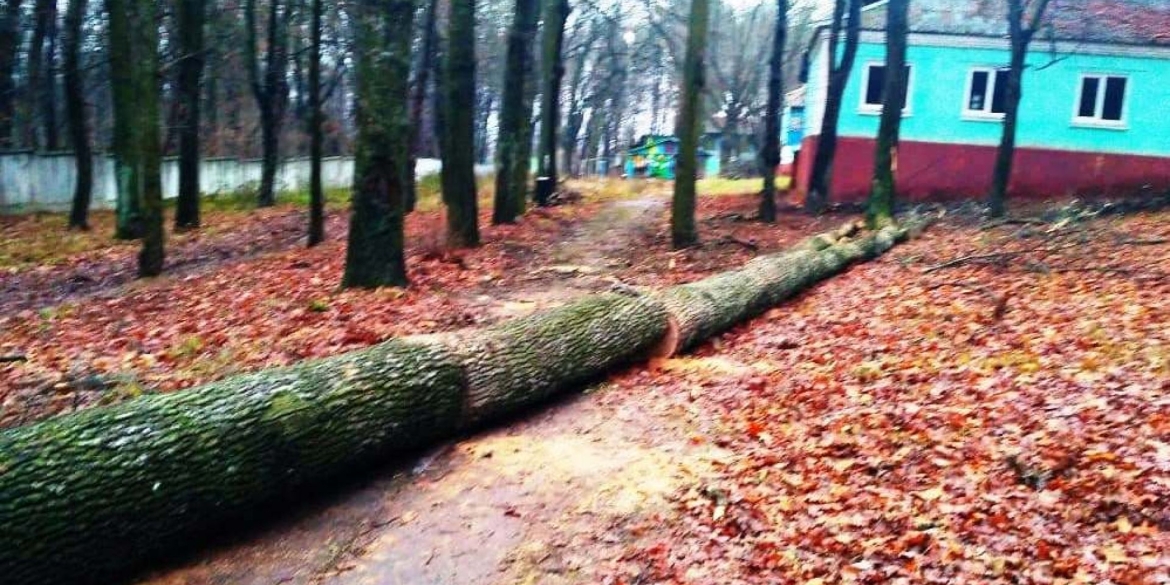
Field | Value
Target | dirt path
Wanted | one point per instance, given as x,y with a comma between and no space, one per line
584,261
535,501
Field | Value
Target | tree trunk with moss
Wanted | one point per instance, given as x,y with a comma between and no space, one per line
127,166
1021,29
76,116
418,96
147,135
515,117
690,122
880,207
458,172
190,16
771,154
316,233
375,252
821,177
270,89
553,65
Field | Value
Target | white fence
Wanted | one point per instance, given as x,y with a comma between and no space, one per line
31,180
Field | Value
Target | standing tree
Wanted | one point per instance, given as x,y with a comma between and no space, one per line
316,139
190,16
1023,22
42,94
817,198
138,100
75,113
515,117
127,166
880,208
682,209
270,89
9,45
771,154
374,253
553,66
418,95
458,172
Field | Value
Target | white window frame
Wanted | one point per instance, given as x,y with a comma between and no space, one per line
985,114
869,109
1096,120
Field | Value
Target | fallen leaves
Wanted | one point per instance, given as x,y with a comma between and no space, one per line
917,438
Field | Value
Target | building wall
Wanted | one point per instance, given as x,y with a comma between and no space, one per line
950,155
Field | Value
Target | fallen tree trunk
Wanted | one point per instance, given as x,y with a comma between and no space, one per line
86,497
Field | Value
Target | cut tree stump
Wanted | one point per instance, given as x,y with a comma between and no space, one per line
90,496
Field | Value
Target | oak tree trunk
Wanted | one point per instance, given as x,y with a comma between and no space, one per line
690,122
772,116
375,251
821,179
515,117
553,66
316,233
418,97
128,166
458,172
9,55
190,16
76,115
880,207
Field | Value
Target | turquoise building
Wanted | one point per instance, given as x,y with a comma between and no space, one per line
1094,118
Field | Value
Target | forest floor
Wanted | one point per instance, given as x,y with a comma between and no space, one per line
987,403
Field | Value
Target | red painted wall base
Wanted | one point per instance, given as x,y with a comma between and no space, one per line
933,171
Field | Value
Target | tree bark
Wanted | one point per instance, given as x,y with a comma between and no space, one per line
458,172
682,209
40,107
316,119
270,91
418,97
553,65
880,207
1020,34
128,167
146,133
190,16
821,180
375,251
772,116
515,117
9,55
75,111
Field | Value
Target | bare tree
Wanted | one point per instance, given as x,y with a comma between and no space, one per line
375,252
682,209
553,71
515,117
270,89
1024,19
190,16
76,114
817,198
771,155
881,198
316,233
458,172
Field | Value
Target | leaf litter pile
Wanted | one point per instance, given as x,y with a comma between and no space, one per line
982,405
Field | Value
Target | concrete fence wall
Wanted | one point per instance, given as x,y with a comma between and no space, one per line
30,180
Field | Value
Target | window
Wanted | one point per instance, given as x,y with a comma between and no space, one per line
987,93
874,85
1102,99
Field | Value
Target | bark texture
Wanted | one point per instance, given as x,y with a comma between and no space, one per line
190,16
77,116
682,209
316,138
880,207
553,65
511,164
86,497
771,154
458,171
374,254
818,196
